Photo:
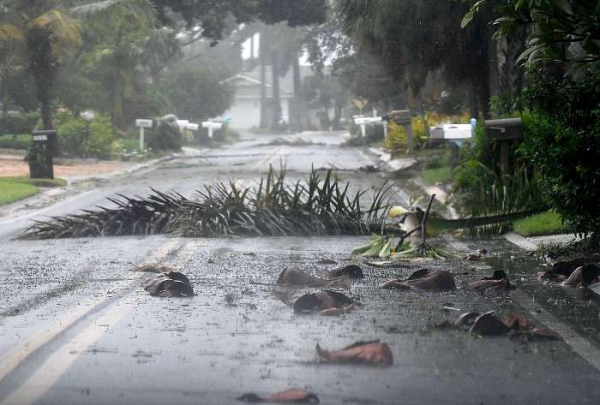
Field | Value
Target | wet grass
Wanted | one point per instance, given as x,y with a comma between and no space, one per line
437,175
12,191
545,223
319,205
36,182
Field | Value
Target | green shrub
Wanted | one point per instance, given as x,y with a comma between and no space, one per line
564,145
22,123
80,139
15,141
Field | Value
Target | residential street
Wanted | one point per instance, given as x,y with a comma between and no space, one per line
77,327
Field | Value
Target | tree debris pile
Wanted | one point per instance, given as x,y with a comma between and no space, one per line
317,206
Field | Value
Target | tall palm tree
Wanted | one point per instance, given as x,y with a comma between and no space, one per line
44,31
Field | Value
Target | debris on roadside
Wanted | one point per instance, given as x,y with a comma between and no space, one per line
324,302
350,271
561,270
439,281
488,325
294,277
390,264
475,257
467,319
536,335
449,307
293,395
584,276
514,325
372,352
369,169
326,261
517,322
171,284
498,281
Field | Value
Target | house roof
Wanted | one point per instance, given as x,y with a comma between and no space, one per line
248,83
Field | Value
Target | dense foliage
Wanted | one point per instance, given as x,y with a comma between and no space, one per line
199,93
565,145
22,123
81,139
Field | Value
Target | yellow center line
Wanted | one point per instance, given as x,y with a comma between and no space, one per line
57,364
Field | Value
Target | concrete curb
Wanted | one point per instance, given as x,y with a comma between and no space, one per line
394,164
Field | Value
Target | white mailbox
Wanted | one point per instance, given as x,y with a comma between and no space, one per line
367,120
452,131
182,123
143,123
193,127
211,127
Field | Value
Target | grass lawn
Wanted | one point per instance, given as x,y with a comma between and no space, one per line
36,182
13,191
438,175
545,223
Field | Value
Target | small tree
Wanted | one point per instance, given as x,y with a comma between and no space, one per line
199,93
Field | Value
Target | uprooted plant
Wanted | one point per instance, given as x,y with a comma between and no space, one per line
316,206
381,245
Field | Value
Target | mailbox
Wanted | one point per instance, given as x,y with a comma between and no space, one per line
41,165
504,129
401,117
451,131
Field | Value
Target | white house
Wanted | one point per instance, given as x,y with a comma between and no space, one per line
245,111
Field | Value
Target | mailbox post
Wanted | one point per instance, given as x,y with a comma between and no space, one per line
504,131
404,118
41,165
141,124
363,121
211,126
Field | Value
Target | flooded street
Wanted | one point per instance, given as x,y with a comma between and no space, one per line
77,327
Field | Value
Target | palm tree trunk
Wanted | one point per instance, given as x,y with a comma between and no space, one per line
263,85
276,93
298,111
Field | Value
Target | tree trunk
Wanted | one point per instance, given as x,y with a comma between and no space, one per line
263,85
43,68
298,111
337,115
276,96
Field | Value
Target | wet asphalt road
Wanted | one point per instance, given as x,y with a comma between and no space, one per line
77,328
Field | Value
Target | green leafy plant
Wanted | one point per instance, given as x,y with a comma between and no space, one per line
81,139
565,145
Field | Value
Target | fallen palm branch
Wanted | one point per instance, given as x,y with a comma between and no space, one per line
316,206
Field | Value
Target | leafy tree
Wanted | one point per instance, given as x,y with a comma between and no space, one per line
198,92
562,93
414,38
560,31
